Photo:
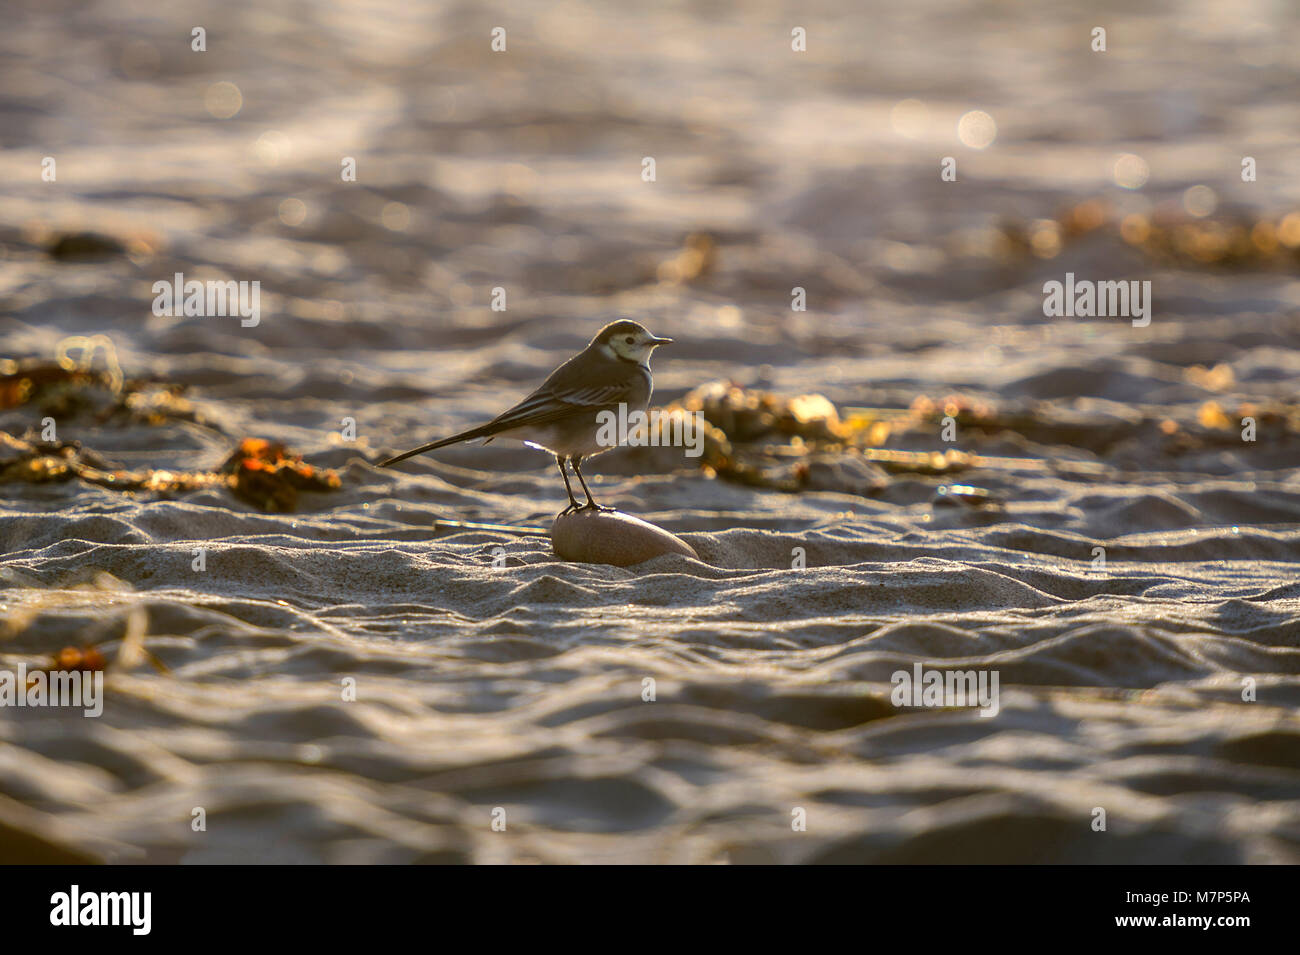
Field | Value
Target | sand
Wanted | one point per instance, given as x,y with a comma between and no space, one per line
356,682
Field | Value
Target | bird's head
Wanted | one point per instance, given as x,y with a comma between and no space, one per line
629,341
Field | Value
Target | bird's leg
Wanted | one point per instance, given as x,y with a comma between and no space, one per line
573,501
591,501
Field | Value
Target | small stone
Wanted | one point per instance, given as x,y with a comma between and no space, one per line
612,537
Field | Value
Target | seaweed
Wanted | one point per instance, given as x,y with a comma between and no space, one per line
264,474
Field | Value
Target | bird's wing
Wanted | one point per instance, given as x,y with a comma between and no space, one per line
584,383
540,408
546,405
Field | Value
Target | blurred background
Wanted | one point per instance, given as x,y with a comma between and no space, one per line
775,169
523,170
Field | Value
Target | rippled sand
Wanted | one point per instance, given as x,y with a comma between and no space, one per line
488,674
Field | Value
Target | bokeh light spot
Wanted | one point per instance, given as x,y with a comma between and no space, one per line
1200,201
977,130
293,212
272,147
395,216
223,100
1131,172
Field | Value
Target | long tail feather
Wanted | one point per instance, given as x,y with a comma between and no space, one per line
470,435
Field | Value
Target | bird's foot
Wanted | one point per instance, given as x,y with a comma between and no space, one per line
598,508
573,506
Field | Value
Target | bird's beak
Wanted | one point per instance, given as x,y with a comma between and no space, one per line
660,341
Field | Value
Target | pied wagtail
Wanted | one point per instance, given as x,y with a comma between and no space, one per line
561,415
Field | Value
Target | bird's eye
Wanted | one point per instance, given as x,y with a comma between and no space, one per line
628,339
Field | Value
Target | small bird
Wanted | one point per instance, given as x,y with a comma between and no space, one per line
561,415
